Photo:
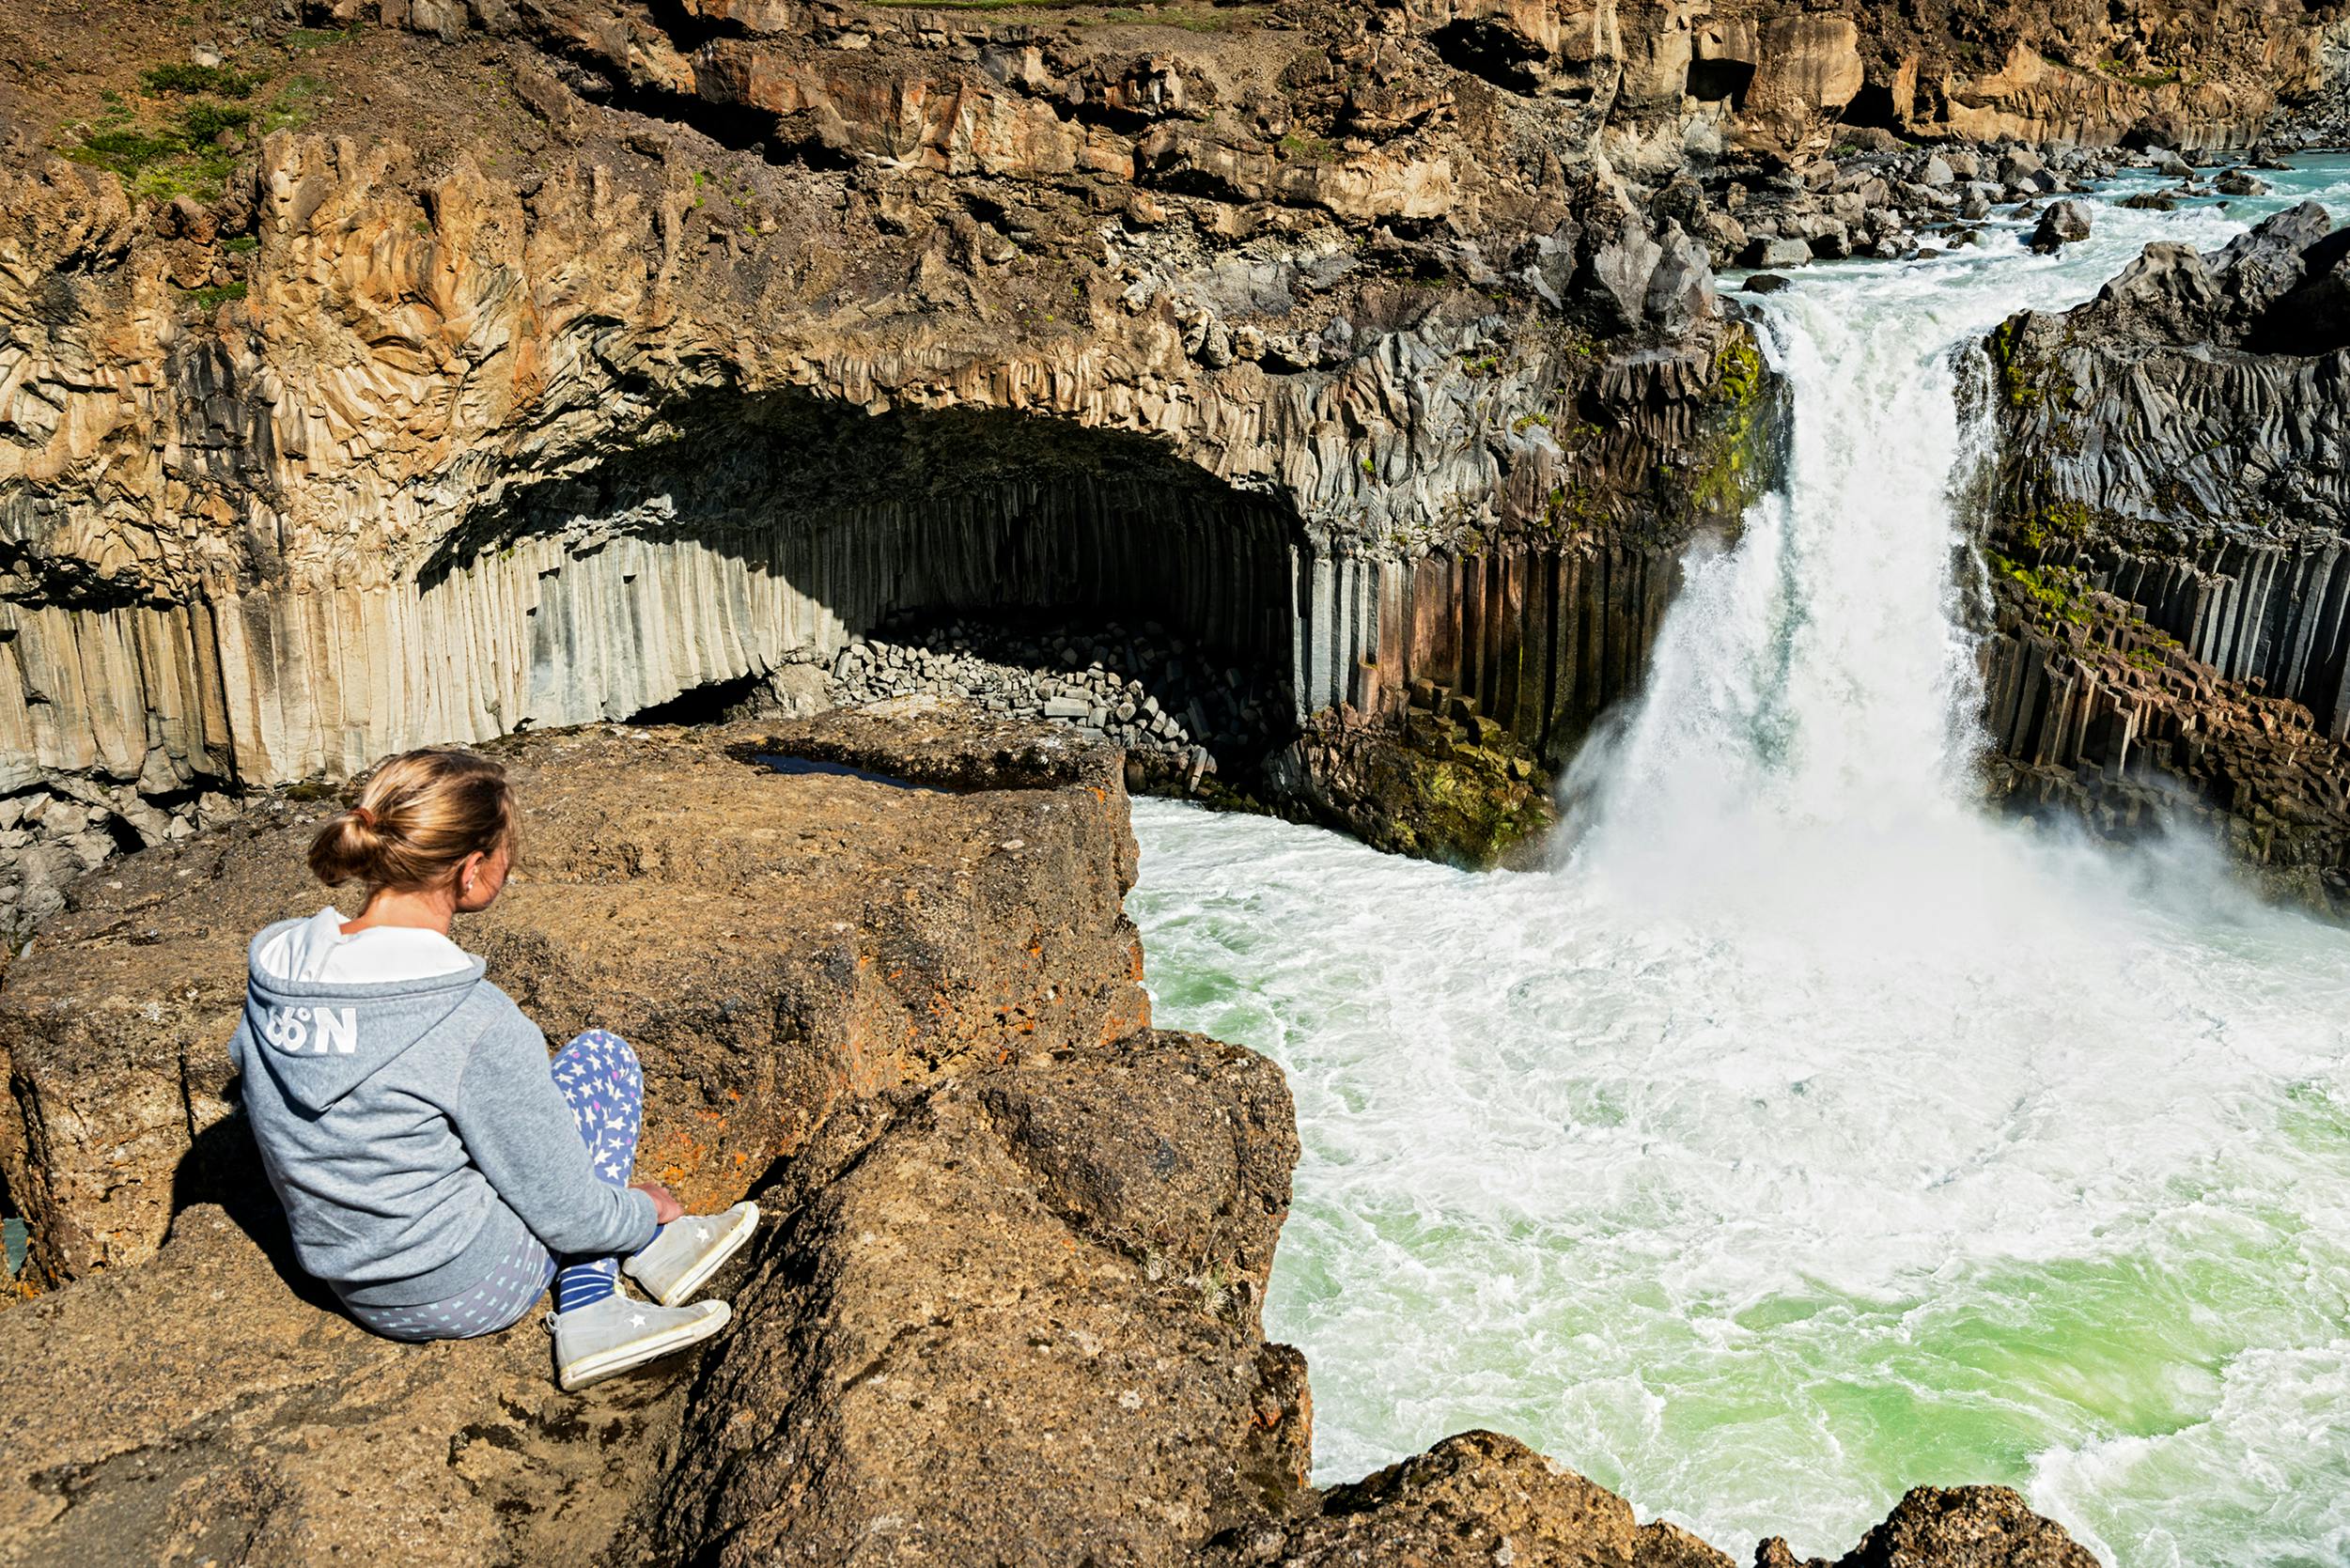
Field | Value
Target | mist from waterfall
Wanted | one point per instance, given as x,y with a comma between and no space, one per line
1809,1134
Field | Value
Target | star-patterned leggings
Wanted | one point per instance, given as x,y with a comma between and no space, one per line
600,1078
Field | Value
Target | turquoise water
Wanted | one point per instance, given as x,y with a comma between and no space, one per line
1806,1136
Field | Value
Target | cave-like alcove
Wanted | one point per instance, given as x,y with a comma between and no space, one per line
774,527
1720,81
1873,108
1500,54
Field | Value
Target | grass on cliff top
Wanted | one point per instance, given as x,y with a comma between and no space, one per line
176,148
181,77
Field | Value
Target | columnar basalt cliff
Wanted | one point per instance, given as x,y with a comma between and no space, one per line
1005,1303
2172,550
430,372
395,441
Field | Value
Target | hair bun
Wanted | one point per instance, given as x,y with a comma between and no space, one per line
420,814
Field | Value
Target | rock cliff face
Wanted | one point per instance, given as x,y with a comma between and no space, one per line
397,439
1005,1306
437,371
1669,76
2171,548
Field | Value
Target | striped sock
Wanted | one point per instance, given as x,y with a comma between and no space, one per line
583,1284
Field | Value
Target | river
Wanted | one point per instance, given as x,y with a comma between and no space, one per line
1809,1134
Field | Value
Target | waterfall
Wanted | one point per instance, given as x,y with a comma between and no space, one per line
1804,751
1808,1135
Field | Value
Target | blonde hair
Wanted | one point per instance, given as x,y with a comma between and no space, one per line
418,818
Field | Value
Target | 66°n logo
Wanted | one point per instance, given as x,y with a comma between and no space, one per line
318,1030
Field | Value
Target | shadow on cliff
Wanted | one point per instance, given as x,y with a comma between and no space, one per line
923,510
767,528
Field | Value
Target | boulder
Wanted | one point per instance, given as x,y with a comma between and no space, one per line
1775,254
1681,289
1967,1526
2020,165
1476,1498
2166,295
2066,222
770,940
1615,276
1013,1319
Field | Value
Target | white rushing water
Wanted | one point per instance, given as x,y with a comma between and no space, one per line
1808,1135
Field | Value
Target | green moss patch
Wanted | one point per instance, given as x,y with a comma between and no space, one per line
1470,795
2058,592
1737,472
192,130
215,81
207,299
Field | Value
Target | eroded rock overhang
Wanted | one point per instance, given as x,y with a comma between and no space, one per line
471,456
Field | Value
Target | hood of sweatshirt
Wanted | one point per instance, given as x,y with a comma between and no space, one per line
321,1039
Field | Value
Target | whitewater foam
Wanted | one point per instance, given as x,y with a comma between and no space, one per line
1808,1135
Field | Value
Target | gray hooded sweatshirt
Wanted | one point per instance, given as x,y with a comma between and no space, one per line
413,1132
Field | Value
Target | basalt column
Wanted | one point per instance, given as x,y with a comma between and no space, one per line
1540,640
2169,554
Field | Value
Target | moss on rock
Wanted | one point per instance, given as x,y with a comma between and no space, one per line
1468,794
1740,435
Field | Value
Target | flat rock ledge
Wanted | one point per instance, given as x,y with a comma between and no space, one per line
1005,1306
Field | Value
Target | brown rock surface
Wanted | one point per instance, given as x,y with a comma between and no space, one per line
1472,1501
1965,1527
201,1408
771,943
1029,1298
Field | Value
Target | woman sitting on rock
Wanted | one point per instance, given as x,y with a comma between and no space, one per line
436,1171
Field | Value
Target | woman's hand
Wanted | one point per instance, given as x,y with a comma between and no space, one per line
665,1207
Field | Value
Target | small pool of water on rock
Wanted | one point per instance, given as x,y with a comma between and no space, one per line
800,767
1809,1136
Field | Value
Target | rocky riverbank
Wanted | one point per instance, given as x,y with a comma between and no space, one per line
2172,555
1004,1306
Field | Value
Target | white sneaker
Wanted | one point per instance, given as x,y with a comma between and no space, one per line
688,1250
616,1334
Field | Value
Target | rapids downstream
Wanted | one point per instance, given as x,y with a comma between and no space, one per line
1808,1135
